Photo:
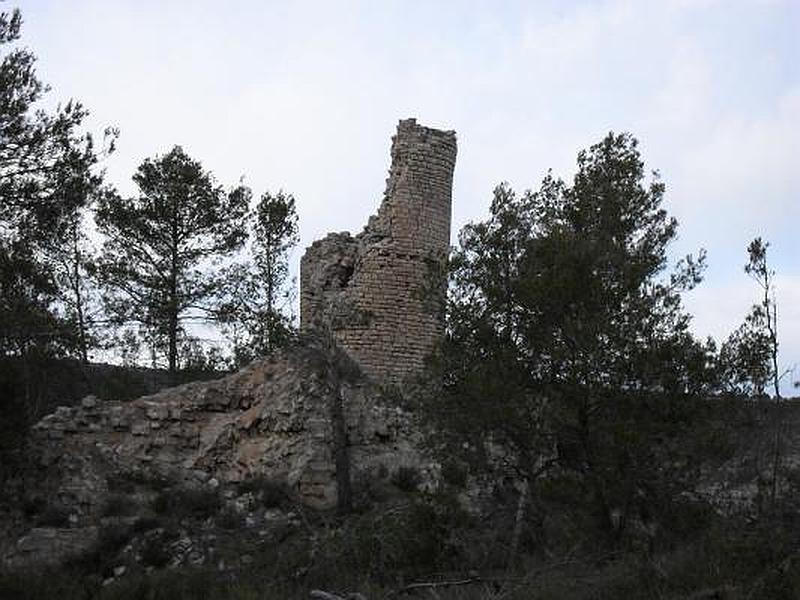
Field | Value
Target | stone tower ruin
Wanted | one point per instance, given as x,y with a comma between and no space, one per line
369,290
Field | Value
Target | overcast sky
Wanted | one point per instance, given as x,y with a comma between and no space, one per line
305,96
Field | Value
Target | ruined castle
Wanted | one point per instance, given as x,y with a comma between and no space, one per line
374,292
273,418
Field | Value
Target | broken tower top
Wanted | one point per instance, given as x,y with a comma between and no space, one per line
368,290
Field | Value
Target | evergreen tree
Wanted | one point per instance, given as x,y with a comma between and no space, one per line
46,176
162,264
749,357
257,317
564,341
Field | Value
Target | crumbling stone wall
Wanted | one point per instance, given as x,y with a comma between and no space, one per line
370,290
271,420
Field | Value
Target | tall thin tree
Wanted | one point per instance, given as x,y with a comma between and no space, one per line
749,357
259,301
758,269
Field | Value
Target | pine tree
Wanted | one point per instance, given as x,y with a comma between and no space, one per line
47,174
258,302
749,357
162,260
566,344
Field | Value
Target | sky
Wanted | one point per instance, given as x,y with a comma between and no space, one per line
304,96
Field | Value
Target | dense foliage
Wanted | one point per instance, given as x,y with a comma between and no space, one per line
47,175
567,346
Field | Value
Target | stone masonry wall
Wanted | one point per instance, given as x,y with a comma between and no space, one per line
270,420
370,289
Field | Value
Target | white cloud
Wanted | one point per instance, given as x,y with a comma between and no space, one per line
749,163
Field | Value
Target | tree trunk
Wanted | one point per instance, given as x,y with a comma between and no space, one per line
270,346
76,278
172,357
593,477
172,353
773,331
776,454
172,333
519,518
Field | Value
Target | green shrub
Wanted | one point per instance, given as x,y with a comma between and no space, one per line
406,479
200,502
33,505
147,523
389,544
270,493
119,505
454,474
229,518
54,515
100,558
46,584
195,502
155,553
190,584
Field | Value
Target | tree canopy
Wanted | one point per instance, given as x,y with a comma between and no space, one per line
164,251
563,324
47,174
